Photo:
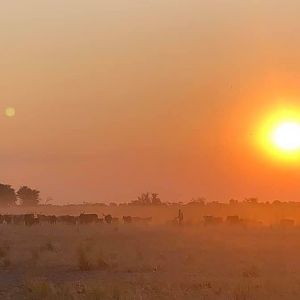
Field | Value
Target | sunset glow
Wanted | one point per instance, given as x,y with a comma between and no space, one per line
185,98
280,135
287,136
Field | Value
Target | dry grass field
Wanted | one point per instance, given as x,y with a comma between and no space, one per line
132,261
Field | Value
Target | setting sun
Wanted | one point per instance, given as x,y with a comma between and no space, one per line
280,134
286,136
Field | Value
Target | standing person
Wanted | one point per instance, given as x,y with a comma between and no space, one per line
180,217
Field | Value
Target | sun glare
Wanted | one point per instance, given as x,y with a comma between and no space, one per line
286,136
280,135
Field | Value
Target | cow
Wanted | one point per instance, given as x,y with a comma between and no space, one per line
8,219
52,219
211,220
67,219
100,221
88,218
19,219
141,220
42,218
47,219
127,219
234,220
30,220
108,219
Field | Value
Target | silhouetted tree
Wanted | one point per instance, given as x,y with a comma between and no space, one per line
155,200
7,195
28,196
144,199
48,200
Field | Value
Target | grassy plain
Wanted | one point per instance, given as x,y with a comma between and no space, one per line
155,261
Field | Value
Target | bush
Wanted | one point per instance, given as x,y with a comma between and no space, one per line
83,261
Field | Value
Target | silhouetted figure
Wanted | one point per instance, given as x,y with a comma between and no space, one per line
180,217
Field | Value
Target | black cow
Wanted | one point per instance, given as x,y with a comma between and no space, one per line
142,220
88,218
42,218
127,219
211,220
234,220
47,219
52,219
67,219
100,220
108,219
8,219
19,219
30,220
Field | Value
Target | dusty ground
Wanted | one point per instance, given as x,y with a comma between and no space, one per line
149,262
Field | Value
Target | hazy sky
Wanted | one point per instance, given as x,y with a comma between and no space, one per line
114,98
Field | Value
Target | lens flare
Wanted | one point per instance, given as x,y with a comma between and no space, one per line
10,112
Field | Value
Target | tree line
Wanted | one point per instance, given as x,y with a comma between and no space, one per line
147,199
25,196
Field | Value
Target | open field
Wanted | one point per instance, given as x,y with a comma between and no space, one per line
101,261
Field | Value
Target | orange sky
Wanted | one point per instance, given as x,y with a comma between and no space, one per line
114,98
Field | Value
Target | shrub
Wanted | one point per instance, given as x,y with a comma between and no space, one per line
83,261
4,257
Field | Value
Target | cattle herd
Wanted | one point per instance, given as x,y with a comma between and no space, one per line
32,219
236,220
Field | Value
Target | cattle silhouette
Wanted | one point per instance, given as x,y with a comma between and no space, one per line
18,219
141,220
211,220
234,220
47,219
127,219
8,219
30,220
108,219
71,220
88,218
